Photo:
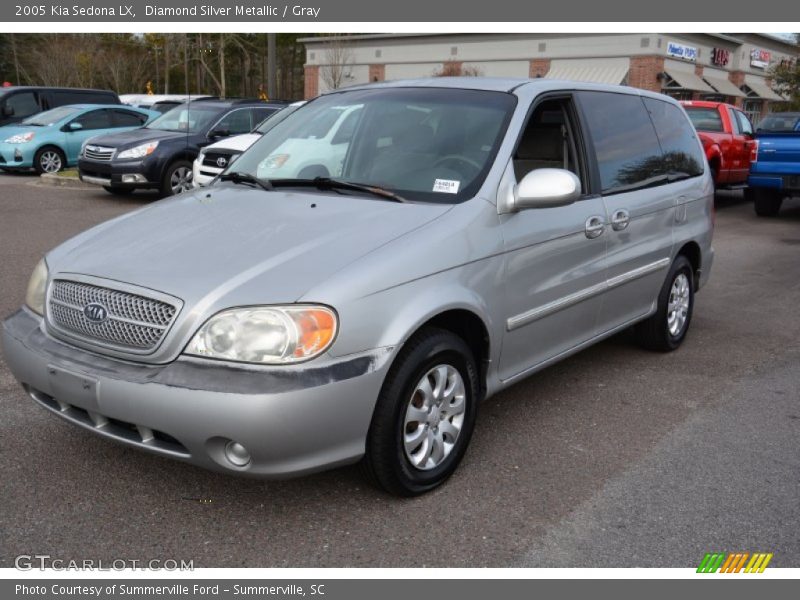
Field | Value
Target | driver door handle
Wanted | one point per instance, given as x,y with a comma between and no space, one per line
595,226
620,220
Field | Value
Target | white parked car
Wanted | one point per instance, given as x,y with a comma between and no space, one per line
213,159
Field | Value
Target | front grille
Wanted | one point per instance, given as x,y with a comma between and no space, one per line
210,159
133,322
98,153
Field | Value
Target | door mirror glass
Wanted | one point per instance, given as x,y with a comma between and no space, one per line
74,126
218,133
546,188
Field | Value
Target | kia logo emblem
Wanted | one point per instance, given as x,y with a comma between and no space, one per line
222,161
95,313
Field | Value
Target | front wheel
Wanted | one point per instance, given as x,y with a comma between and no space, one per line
177,178
49,160
666,329
424,416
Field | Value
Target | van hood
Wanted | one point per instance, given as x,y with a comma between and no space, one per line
232,245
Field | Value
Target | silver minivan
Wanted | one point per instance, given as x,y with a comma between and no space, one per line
457,235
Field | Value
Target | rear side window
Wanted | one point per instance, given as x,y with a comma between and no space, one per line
625,143
23,104
683,155
745,126
705,119
96,119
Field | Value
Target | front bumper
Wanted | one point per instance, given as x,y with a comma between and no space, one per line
16,156
203,175
291,420
115,174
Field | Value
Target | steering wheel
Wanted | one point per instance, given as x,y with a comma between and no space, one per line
457,158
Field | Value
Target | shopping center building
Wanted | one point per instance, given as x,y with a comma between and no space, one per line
729,67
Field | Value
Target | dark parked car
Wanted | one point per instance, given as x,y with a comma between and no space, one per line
159,156
18,103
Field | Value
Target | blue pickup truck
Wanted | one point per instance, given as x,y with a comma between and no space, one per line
775,174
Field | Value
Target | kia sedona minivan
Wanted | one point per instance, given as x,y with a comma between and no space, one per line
464,234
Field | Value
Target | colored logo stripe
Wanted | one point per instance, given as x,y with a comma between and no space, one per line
734,562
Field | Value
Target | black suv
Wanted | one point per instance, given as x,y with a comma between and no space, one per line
160,155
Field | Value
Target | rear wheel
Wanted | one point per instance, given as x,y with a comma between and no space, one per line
177,178
766,203
424,416
667,328
49,160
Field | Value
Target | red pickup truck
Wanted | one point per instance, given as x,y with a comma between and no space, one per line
727,137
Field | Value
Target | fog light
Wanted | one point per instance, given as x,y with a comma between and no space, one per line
237,454
17,155
133,178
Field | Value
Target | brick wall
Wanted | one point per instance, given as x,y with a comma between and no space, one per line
644,72
311,81
377,72
737,79
539,67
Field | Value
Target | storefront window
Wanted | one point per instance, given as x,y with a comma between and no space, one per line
678,94
752,108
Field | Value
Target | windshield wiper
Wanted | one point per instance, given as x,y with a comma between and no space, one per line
326,183
247,179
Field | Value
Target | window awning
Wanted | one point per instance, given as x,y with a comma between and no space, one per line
611,71
688,80
720,82
760,87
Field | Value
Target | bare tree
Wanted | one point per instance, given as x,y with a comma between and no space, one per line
457,69
338,57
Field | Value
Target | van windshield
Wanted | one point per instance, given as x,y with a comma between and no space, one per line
424,144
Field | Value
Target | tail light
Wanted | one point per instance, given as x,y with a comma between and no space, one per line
754,151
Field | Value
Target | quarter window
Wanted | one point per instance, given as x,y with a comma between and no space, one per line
24,104
625,143
683,155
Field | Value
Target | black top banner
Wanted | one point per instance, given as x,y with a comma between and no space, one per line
445,12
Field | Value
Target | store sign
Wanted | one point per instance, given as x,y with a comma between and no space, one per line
720,57
759,58
681,51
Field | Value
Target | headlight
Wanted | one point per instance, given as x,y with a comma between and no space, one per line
20,138
34,297
139,151
266,334
275,161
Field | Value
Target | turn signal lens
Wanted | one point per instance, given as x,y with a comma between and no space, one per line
316,328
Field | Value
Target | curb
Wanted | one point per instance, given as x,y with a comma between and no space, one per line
54,180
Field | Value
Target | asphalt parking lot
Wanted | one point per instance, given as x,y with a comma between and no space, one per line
616,457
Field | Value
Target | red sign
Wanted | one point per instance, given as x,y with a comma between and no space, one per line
759,58
720,57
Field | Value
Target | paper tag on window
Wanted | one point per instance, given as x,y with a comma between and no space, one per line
446,186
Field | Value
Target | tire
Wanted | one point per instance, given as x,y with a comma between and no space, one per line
49,159
667,328
177,178
431,356
766,203
118,191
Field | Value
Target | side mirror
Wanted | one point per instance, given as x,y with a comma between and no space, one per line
74,126
218,133
8,111
547,188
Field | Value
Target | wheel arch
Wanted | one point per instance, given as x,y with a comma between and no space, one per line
691,250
